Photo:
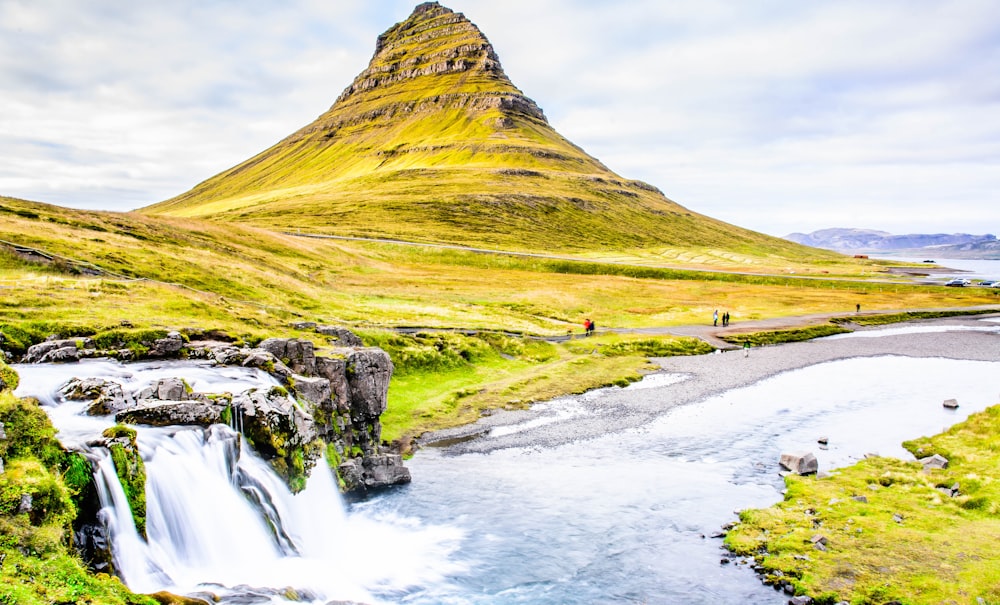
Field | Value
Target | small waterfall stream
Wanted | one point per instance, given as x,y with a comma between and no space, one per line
220,520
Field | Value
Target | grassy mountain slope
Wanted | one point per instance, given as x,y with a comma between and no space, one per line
186,272
433,143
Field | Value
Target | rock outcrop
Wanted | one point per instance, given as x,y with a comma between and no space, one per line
334,400
107,396
60,350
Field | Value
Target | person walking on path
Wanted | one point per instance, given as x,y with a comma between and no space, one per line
746,348
586,327
857,308
725,319
715,318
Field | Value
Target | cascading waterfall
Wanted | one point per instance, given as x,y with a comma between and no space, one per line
117,518
220,520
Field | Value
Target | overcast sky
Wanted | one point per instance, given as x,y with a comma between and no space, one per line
777,115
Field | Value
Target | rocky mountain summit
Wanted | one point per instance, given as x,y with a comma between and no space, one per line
432,142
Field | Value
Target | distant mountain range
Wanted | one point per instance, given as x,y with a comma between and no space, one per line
945,245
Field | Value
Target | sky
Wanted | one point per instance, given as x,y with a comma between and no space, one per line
776,115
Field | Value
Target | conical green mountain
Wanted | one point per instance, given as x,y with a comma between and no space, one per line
433,143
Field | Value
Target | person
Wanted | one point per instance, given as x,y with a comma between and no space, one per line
746,348
586,327
592,327
715,318
857,308
725,319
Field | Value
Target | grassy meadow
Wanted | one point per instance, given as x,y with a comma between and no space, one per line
905,541
198,276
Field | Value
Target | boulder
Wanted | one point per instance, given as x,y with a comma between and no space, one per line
368,372
935,461
299,355
52,351
227,354
3,433
304,325
362,475
168,346
950,404
801,463
343,336
265,360
156,412
108,397
165,389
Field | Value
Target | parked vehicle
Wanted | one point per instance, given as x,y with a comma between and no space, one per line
989,283
959,282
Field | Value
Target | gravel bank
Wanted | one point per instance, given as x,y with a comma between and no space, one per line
602,411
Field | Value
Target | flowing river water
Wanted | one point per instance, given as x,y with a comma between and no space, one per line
625,517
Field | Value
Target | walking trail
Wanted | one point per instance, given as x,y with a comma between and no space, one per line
700,376
711,334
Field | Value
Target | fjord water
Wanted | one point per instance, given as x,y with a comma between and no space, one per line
625,518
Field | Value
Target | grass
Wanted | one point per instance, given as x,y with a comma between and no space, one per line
36,565
774,337
888,318
907,542
445,380
196,276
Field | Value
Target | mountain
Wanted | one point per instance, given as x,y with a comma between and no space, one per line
954,245
433,143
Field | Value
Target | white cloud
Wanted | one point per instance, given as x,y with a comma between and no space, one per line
775,115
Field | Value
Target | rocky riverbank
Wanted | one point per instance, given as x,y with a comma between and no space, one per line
701,376
326,404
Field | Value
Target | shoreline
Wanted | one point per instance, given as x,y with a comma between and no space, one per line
706,376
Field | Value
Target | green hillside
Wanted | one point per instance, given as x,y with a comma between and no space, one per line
433,143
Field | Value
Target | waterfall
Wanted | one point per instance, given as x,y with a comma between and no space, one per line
220,520
218,515
117,518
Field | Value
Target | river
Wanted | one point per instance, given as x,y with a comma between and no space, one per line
970,268
626,517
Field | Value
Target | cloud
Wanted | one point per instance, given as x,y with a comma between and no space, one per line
775,115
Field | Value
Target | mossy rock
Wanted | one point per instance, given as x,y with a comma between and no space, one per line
8,377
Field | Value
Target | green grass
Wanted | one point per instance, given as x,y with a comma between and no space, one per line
909,542
773,337
444,380
36,566
889,318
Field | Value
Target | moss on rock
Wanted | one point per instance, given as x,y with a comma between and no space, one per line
131,471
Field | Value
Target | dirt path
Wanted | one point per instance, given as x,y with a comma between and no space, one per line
711,334
615,409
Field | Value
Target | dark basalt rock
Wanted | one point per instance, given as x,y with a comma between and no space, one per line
156,412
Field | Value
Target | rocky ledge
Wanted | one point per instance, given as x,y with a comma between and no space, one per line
334,400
